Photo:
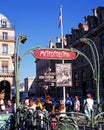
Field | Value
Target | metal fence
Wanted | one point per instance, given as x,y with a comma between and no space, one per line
42,120
7,121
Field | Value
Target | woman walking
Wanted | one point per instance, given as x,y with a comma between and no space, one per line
88,105
76,105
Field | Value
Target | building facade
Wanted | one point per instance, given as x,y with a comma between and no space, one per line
7,41
29,86
92,28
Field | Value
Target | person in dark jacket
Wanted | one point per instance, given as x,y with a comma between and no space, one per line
68,103
48,104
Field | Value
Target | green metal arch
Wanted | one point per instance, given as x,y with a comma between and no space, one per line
27,52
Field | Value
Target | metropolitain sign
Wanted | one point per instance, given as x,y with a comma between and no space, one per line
64,54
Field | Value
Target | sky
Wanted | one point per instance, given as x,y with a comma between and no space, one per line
38,19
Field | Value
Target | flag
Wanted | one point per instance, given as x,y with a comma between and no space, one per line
59,20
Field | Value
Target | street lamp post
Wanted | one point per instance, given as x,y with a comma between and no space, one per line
96,66
16,60
20,39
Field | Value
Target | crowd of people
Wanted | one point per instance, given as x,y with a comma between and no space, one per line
76,106
71,104
8,106
38,105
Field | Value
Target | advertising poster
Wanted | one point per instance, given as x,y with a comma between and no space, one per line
63,75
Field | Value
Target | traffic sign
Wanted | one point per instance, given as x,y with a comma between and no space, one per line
41,77
48,77
52,84
51,80
50,73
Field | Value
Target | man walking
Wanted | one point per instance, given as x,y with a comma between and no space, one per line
68,103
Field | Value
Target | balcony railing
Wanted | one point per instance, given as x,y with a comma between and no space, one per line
9,73
10,38
7,27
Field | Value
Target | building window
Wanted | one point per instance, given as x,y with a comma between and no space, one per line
4,23
4,48
83,52
95,22
89,25
102,42
76,80
4,66
4,35
83,75
103,76
100,17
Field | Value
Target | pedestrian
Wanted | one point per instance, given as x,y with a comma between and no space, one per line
32,104
2,106
88,105
76,105
1,103
68,103
14,104
48,104
62,109
26,102
38,104
9,108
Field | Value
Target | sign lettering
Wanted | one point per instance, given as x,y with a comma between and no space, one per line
54,54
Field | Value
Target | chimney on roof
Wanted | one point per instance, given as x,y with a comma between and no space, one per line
95,12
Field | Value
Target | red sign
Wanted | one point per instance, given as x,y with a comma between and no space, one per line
54,54
45,86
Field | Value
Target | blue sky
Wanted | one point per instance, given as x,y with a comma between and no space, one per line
38,19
